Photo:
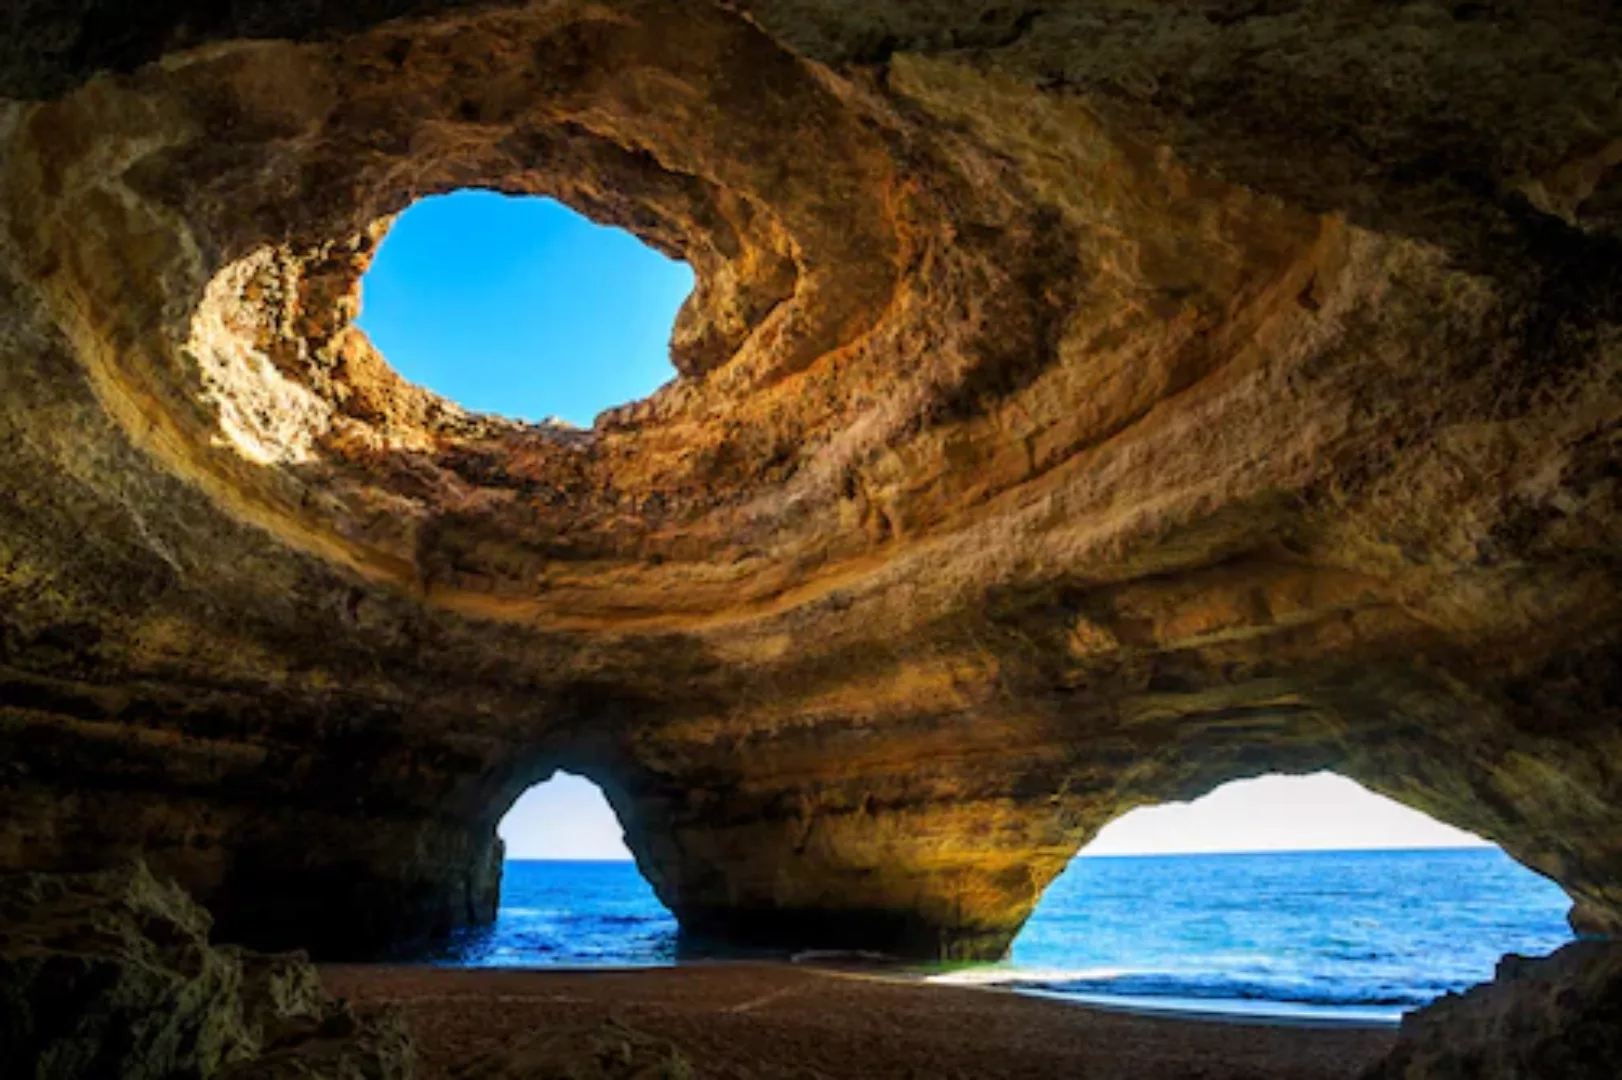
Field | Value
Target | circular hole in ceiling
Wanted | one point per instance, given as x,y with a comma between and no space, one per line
518,306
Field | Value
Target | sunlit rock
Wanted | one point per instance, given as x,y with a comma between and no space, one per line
1082,405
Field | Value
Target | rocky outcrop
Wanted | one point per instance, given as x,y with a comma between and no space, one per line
1081,405
111,974
1549,1017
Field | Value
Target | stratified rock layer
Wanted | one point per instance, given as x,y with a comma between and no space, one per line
111,974
1082,405
1552,1017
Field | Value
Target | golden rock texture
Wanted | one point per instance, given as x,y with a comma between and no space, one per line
1082,405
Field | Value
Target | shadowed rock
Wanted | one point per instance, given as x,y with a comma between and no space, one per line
1560,1016
110,974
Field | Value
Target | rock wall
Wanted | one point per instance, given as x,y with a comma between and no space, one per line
1555,1016
111,974
1081,405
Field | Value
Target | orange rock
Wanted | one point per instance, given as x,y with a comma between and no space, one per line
1081,406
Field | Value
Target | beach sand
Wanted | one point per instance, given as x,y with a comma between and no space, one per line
763,1020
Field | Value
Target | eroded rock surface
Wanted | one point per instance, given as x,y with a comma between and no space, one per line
111,974
1082,405
1556,1016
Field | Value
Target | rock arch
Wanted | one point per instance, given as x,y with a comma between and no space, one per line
1063,426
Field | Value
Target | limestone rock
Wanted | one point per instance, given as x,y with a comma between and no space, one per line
1551,1017
110,974
1082,404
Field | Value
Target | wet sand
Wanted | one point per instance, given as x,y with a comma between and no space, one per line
770,1021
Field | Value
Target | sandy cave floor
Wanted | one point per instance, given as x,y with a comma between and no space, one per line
759,1020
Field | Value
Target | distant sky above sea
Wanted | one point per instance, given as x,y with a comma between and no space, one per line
568,818
521,307
1319,812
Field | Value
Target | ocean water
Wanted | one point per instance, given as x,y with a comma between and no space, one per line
1368,934
1352,935
571,914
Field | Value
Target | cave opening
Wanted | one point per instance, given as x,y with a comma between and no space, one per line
1282,896
571,895
521,307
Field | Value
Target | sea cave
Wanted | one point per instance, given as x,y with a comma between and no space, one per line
1075,407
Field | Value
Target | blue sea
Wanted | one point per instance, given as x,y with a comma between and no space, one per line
1360,935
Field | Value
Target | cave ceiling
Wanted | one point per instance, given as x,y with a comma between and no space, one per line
1079,406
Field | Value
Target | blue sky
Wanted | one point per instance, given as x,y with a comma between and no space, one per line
522,307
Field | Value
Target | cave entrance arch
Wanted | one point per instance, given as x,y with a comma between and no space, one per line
570,893
519,306
1285,894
